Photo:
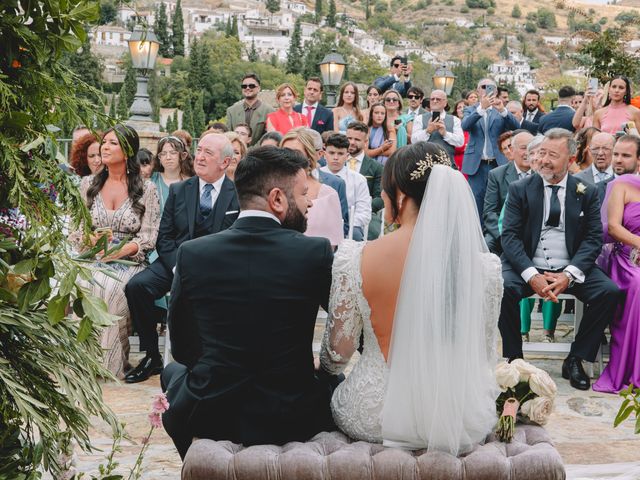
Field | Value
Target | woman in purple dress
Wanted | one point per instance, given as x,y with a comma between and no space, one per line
621,224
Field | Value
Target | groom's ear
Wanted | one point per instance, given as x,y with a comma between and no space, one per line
277,202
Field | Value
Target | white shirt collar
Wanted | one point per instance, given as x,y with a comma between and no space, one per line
360,156
533,114
595,171
217,185
305,105
518,171
562,183
258,213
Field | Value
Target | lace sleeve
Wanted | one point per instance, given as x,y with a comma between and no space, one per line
344,324
492,302
146,236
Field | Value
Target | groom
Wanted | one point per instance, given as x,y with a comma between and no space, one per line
242,316
551,237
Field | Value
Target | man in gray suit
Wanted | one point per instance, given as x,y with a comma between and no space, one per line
498,186
250,110
601,149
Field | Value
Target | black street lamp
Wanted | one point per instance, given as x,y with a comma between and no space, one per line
331,70
143,45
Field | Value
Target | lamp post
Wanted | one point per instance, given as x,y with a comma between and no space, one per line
143,45
443,79
331,70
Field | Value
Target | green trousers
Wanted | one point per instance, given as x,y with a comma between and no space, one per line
550,313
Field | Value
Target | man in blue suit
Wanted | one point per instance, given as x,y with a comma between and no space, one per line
320,117
398,78
485,122
562,116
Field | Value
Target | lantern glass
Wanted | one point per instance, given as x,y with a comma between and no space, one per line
143,47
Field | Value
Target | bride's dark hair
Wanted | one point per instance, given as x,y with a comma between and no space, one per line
403,171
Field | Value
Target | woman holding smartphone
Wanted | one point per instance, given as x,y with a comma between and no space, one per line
382,139
395,120
617,109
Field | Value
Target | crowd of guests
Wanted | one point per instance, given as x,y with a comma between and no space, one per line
155,202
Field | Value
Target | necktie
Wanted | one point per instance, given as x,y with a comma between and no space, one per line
554,207
205,200
530,117
602,176
353,163
522,175
310,109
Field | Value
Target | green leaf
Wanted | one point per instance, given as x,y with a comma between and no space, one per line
34,144
84,330
57,308
32,292
70,42
86,12
623,415
16,120
69,281
77,307
7,296
96,309
25,266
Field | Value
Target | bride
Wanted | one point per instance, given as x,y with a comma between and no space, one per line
426,298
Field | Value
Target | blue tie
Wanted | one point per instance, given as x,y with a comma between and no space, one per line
205,200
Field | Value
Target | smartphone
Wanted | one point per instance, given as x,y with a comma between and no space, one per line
435,116
593,84
403,60
397,121
490,89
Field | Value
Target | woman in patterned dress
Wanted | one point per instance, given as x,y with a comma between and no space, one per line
124,207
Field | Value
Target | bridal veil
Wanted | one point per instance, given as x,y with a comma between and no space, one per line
441,387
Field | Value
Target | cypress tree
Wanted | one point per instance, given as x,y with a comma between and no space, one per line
319,10
194,79
253,53
331,16
234,27
294,55
227,29
130,85
160,28
122,110
199,121
187,116
112,107
178,31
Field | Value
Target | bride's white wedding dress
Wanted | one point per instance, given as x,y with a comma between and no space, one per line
438,390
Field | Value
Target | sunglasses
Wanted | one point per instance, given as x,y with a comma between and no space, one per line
249,86
396,65
413,97
391,99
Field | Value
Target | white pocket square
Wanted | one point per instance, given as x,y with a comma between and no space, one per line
230,212
581,214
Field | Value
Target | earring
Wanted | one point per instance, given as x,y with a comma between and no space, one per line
127,171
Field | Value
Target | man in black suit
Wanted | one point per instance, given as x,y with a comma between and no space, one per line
358,136
532,111
204,204
498,186
562,116
320,118
242,315
551,237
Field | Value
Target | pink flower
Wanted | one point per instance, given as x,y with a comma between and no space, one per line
160,404
155,419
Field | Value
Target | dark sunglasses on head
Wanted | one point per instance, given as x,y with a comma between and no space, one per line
413,97
249,86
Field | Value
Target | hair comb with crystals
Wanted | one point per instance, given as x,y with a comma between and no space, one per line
440,158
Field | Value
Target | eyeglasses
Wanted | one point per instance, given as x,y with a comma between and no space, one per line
249,86
436,99
172,153
414,97
391,99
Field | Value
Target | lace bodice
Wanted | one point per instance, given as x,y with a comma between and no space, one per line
357,402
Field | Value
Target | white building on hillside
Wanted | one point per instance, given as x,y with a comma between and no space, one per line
515,69
110,36
368,44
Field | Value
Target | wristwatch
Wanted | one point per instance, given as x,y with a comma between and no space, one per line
571,278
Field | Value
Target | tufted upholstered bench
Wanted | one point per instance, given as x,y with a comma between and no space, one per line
333,456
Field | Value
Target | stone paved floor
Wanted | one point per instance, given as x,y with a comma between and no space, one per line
581,428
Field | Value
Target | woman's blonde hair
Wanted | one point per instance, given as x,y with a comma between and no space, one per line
280,90
304,137
234,137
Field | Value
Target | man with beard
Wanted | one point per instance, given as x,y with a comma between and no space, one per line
626,160
532,111
242,315
250,111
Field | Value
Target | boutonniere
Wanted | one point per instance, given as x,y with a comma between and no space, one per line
320,122
581,188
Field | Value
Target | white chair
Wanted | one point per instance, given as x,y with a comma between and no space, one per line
563,347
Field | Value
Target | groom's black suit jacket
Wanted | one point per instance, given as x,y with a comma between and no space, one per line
241,318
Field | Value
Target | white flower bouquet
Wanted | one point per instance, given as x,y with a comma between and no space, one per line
526,391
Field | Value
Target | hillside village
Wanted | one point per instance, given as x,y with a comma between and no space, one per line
438,33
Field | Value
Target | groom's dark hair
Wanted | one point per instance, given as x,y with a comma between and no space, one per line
401,173
265,168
